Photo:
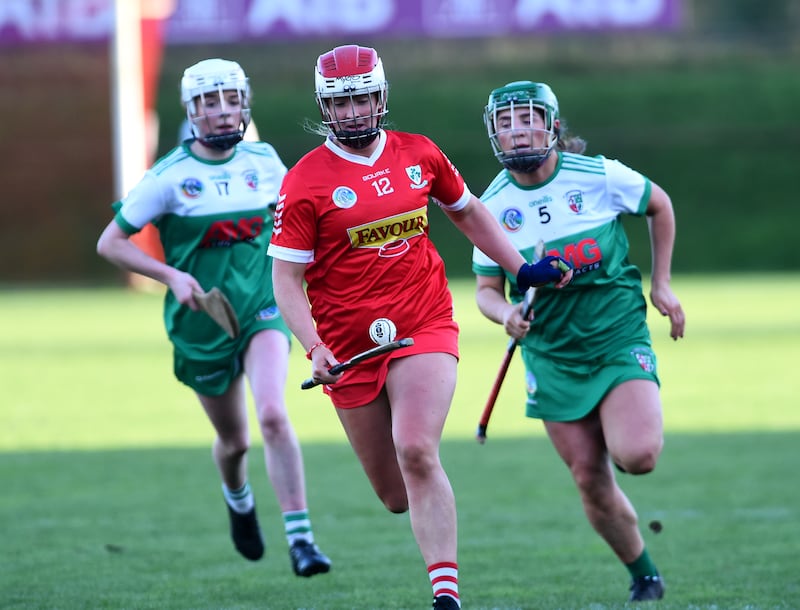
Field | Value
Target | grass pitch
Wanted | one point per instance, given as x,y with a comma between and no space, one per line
110,498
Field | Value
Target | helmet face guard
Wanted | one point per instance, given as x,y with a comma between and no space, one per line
215,76
532,98
343,75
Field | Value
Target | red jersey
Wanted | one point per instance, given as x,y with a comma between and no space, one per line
361,225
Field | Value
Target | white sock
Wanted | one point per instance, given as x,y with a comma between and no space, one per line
297,526
444,578
241,500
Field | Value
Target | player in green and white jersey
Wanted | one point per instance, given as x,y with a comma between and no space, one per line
590,369
210,199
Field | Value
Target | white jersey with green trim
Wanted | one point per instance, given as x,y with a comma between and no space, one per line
214,222
577,214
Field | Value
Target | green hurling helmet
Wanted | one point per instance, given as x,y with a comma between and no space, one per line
524,155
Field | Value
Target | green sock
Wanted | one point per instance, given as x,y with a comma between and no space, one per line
643,566
297,526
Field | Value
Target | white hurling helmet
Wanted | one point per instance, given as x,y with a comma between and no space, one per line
346,72
216,76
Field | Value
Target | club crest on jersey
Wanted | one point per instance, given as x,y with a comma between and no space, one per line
575,201
251,179
415,174
192,188
645,358
344,197
270,313
512,219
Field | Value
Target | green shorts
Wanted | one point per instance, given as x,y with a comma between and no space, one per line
213,377
567,391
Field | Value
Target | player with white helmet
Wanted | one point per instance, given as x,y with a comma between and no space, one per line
352,240
216,95
341,77
210,199
590,369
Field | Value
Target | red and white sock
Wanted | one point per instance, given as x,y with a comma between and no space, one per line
444,579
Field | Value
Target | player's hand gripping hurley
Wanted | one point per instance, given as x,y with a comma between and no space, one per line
370,353
527,307
219,308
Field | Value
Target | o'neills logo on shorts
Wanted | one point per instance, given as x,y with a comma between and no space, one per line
390,235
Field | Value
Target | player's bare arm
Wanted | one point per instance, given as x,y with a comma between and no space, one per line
661,223
287,279
493,304
115,245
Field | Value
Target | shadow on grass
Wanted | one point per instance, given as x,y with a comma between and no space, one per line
147,529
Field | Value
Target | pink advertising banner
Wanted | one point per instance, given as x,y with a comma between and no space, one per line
223,21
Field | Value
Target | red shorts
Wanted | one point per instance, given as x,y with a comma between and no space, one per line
362,384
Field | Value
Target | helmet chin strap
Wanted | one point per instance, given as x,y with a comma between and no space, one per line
525,164
357,139
224,141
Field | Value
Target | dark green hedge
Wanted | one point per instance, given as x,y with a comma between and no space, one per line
718,133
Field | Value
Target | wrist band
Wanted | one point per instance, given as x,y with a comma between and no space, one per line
313,347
